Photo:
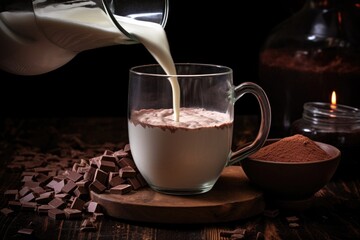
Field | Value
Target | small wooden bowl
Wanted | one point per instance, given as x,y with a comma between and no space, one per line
292,180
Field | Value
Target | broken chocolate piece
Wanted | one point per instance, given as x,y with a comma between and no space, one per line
7,212
127,172
93,207
72,213
74,176
57,203
43,209
101,176
77,204
69,187
121,189
56,213
97,187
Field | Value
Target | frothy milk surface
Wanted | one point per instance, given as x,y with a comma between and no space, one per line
184,155
191,118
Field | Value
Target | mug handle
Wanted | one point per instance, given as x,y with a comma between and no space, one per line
259,93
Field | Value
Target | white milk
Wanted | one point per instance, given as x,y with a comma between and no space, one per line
70,29
181,156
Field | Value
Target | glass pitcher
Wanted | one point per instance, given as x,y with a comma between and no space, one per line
38,36
311,54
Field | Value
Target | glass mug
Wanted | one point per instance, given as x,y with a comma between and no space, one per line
38,36
186,157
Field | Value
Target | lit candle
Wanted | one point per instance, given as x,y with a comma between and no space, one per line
333,100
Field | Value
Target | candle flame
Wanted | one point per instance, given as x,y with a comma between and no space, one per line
333,100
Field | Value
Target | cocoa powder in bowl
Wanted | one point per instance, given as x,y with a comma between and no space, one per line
292,168
297,148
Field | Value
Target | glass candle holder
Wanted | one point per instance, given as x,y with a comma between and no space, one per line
338,125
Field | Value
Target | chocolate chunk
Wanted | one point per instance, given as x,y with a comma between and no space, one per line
38,190
106,158
42,170
28,206
134,183
26,173
142,180
117,180
29,197
7,212
112,175
31,184
11,194
43,209
137,182
56,214
81,192
16,205
93,207
44,197
107,166
24,191
83,183
97,187
121,189
127,172
57,203
58,186
26,231
72,213
69,187
74,176
43,179
77,204
90,174
52,184
28,178
124,162
101,176
63,196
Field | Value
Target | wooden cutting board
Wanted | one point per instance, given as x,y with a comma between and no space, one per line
232,198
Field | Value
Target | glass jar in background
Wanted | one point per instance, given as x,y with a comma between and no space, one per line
308,56
338,125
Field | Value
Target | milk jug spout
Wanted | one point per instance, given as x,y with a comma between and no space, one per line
38,36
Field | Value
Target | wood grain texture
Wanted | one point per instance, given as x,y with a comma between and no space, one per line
232,198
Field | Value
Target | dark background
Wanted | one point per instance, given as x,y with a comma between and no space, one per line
95,82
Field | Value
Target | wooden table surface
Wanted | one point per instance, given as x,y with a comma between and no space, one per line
334,213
